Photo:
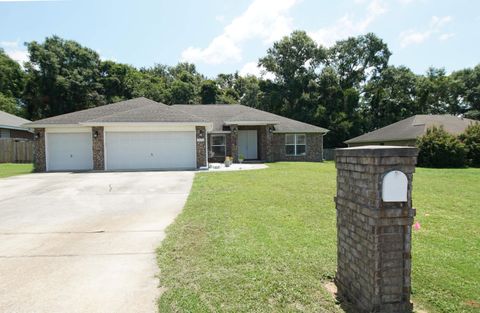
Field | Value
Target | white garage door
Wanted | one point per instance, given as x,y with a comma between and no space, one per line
150,150
69,151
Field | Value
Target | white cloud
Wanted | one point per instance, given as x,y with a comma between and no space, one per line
15,51
411,37
445,36
348,25
9,44
252,68
267,20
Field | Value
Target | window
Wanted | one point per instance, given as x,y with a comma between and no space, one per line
295,144
218,145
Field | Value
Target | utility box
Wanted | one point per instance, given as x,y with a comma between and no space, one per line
374,227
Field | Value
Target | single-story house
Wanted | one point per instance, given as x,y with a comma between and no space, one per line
141,134
406,132
11,127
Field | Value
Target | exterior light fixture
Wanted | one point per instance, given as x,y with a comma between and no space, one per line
270,129
201,133
37,135
95,134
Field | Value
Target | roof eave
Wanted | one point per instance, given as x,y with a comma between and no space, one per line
378,140
300,131
250,123
15,127
40,125
208,125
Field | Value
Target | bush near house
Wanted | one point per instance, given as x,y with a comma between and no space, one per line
440,149
471,140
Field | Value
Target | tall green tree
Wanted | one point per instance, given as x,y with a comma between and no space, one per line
208,92
390,97
293,60
62,77
358,59
12,82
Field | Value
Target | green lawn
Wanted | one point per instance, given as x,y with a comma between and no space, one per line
265,241
12,169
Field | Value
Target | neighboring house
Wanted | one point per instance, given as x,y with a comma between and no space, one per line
143,134
11,127
406,132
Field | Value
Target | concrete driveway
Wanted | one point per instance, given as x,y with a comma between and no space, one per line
85,242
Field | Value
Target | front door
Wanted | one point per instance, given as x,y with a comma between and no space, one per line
247,144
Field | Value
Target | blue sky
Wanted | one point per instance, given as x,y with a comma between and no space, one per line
229,35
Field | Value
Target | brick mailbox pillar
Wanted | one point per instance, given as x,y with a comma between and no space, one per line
374,222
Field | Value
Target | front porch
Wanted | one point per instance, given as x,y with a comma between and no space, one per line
252,143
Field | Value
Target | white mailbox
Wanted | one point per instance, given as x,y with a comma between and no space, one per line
394,187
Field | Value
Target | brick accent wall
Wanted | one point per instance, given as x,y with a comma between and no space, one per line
234,142
201,142
314,148
22,134
374,237
98,149
39,157
268,147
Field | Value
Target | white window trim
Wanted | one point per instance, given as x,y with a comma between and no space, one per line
224,142
295,144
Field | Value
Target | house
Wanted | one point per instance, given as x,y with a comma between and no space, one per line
406,132
11,127
142,134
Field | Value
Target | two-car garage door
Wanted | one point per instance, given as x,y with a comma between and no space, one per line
150,150
145,150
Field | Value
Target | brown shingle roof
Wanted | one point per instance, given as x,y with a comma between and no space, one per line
413,127
220,114
8,120
134,110
143,110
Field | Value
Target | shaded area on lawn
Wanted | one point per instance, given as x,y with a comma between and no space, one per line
12,169
265,241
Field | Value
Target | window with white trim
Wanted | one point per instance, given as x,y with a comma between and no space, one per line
295,144
218,146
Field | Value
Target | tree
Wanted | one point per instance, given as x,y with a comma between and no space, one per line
467,92
9,105
293,60
208,92
471,140
62,77
440,149
358,59
390,97
12,78
181,92
434,93
12,82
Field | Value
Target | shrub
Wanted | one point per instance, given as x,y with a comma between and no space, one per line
471,140
440,149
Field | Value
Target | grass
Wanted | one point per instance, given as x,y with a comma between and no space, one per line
12,169
265,241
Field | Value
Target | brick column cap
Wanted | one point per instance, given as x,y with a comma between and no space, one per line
377,151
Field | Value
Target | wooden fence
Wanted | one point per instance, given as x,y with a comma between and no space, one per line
14,150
